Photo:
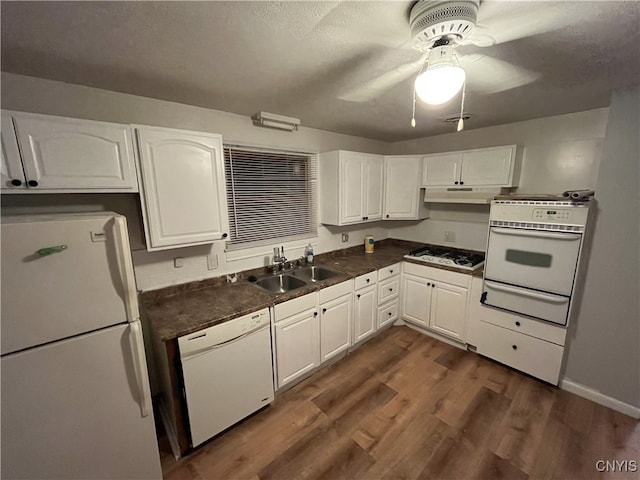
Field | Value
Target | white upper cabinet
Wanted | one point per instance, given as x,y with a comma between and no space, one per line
402,196
183,187
59,155
11,170
351,186
484,167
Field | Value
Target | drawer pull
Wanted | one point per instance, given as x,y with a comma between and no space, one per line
368,280
324,310
517,324
391,289
428,284
390,271
515,347
390,313
358,295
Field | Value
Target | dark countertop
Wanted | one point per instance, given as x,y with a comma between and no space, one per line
187,308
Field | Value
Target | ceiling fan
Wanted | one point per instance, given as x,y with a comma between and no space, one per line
438,27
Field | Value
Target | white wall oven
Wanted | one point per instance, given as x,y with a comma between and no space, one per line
533,253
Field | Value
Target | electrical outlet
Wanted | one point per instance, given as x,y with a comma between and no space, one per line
212,261
345,237
449,236
178,262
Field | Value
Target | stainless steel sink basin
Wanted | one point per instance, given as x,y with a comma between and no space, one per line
314,273
280,283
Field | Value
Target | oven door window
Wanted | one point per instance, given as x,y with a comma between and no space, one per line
532,259
539,260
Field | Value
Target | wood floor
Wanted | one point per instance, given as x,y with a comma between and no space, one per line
406,406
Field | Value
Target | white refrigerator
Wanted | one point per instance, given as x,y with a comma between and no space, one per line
76,402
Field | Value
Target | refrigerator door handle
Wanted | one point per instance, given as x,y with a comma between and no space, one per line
140,365
125,265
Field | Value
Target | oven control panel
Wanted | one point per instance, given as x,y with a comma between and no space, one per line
546,214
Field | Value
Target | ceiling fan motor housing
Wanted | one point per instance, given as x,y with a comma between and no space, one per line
431,20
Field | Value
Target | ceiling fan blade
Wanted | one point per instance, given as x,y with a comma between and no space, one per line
489,75
378,85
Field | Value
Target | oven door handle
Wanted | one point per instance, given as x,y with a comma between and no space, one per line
520,232
527,293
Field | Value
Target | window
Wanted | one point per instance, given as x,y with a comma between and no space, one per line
271,196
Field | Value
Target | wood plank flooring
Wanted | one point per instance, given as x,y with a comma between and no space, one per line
407,406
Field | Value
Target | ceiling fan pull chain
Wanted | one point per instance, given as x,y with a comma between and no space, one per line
461,121
413,113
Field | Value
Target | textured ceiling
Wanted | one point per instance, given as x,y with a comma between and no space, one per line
298,58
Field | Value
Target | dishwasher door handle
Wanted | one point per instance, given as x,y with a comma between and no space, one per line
215,346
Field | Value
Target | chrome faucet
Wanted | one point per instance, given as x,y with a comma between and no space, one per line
279,260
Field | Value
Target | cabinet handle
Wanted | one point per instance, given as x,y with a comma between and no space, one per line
515,347
32,183
461,182
428,284
225,235
456,182
387,216
315,314
517,324
16,183
324,310
390,313
391,289
433,285
358,296
368,280
390,271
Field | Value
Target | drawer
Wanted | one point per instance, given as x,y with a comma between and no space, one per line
438,274
389,271
518,323
387,313
296,305
334,291
536,357
388,289
365,280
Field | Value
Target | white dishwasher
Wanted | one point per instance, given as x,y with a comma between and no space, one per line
227,373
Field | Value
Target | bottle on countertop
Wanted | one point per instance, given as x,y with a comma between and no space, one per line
308,254
368,244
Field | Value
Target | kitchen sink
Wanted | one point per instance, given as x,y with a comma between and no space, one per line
314,274
281,283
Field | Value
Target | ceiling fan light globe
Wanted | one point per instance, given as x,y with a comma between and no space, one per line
439,84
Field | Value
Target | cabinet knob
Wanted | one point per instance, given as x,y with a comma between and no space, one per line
32,183
517,324
433,285
515,347
428,284
315,314
368,280
461,183
390,271
390,313
16,183
387,216
358,296
324,310
225,235
391,289
456,182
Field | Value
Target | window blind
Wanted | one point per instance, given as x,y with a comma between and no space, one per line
271,196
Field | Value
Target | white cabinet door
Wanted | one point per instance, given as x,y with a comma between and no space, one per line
183,194
335,332
365,310
489,166
12,175
448,310
401,187
373,173
297,345
416,299
441,170
78,155
351,187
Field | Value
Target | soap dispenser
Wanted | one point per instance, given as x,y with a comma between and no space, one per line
308,254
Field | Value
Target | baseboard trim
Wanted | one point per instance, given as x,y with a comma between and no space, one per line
600,398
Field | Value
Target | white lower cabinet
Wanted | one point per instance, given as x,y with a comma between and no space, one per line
435,299
335,319
297,338
388,294
364,307
526,344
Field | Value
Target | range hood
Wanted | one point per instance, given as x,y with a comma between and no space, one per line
463,194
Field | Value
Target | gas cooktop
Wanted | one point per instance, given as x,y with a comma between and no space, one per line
452,257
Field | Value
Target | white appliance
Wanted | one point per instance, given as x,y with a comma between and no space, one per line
76,402
227,373
533,254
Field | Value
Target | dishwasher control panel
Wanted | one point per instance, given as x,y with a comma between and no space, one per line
223,332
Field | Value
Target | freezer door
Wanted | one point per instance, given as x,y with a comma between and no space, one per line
63,276
72,410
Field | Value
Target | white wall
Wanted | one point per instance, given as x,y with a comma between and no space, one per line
604,352
155,270
559,153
